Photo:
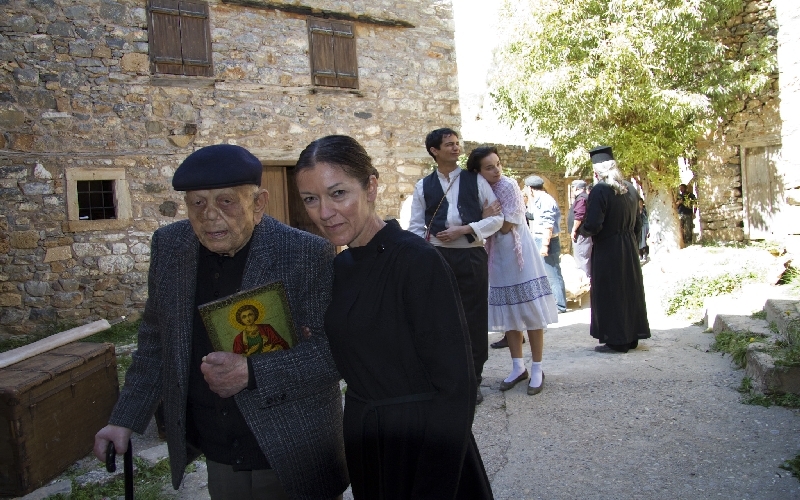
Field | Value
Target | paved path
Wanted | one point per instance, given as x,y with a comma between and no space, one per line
663,421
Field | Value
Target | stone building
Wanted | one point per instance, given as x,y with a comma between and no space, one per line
100,101
748,177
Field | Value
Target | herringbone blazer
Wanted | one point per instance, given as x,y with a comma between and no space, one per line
296,411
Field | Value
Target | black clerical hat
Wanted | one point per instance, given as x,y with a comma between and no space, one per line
217,166
601,154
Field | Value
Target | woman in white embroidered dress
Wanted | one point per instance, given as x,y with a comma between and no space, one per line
519,293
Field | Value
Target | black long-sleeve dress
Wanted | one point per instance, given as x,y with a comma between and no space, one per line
619,313
399,339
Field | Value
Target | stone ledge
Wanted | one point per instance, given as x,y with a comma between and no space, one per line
783,313
768,378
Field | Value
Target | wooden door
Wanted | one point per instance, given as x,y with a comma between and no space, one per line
760,190
273,179
297,211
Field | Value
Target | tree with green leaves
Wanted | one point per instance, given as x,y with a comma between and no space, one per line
648,77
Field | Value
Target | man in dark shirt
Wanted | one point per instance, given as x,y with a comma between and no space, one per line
686,203
269,424
581,245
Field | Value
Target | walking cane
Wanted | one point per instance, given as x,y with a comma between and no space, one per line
111,466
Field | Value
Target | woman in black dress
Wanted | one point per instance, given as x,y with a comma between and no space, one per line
398,336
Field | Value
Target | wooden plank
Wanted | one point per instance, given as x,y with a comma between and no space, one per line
20,353
273,179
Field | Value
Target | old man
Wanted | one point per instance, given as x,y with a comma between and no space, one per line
269,425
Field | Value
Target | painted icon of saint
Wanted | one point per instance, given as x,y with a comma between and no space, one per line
254,337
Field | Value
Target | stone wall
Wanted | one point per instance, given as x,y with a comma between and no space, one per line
756,123
519,162
76,94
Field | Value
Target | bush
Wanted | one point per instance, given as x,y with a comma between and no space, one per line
690,295
735,344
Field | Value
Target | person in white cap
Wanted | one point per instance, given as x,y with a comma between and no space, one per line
546,224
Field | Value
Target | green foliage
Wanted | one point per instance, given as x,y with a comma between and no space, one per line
735,344
648,77
119,334
690,294
149,481
791,277
124,333
792,465
787,349
759,315
750,397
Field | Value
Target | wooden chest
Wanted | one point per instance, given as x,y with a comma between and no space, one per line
51,406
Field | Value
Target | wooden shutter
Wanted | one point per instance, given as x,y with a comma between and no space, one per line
196,39
179,33
332,47
344,50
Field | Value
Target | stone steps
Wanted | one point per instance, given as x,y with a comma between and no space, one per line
781,315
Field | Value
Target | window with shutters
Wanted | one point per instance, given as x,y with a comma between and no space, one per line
179,33
332,50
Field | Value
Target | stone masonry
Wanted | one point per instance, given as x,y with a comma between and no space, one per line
519,162
757,122
77,100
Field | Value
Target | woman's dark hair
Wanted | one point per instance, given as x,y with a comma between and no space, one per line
342,151
246,307
478,154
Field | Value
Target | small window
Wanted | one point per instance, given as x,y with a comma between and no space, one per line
332,50
179,34
97,199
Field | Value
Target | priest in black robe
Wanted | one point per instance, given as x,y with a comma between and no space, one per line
619,314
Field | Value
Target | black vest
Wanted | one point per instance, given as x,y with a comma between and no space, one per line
571,214
469,206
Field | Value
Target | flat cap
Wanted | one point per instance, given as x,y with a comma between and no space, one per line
217,166
601,154
578,184
534,181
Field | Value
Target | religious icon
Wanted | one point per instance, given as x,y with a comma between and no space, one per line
250,322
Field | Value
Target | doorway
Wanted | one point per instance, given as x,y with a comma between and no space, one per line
761,190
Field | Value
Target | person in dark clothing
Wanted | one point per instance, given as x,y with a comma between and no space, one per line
686,203
582,246
447,209
644,248
398,336
619,314
268,424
